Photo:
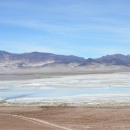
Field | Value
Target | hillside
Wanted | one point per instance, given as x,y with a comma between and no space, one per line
48,62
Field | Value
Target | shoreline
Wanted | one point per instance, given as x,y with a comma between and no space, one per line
109,105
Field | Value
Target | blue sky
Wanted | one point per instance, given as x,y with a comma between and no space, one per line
86,28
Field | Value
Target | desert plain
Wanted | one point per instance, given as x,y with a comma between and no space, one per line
64,118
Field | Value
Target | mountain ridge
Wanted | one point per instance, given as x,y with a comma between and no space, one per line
117,59
41,61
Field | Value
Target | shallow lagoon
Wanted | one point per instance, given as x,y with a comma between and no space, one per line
83,87
16,93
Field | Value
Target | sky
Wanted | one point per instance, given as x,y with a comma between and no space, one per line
85,28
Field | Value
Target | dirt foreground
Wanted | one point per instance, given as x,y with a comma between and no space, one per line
61,118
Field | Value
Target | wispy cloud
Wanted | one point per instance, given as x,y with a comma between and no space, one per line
63,26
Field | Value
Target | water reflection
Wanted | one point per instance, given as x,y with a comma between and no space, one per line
15,93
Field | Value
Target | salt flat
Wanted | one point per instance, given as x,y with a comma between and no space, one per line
81,89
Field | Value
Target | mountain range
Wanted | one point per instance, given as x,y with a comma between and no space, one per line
48,62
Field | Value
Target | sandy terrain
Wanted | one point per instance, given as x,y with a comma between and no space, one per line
8,122
61,118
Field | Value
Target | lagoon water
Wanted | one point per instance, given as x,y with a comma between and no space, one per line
17,93
92,85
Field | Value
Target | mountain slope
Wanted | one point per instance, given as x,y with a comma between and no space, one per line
39,60
117,59
39,57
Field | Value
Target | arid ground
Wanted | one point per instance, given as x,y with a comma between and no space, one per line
64,118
